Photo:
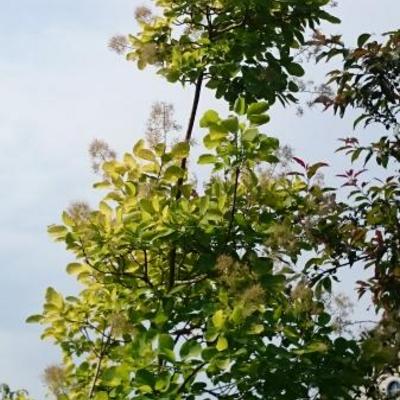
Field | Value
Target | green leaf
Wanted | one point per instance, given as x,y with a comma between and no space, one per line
362,39
209,117
190,349
207,159
34,319
313,169
145,377
173,173
240,106
257,108
295,69
180,150
250,134
163,381
231,124
165,342
259,119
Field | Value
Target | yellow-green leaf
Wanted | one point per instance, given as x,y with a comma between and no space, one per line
222,343
219,319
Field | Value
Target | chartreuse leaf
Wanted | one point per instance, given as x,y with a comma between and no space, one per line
207,159
219,319
101,396
209,117
222,343
76,268
54,298
180,150
173,173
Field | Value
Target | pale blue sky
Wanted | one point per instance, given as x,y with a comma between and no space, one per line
60,88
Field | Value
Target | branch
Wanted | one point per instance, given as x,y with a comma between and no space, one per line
104,345
188,137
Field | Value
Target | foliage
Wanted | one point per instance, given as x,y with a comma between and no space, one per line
142,325
7,394
369,79
242,48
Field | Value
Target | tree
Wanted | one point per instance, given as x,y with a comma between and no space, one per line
196,293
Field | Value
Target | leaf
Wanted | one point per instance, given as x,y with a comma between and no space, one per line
207,159
147,206
180,150
138,146
295,69
250,134
209,117
190,349
57,230
67,219
222,343
34,319
218,319
240,106
173,173
231,124
259,119
299,161
362,39
75,268
257,108
105,209
52,297
163,381
165,342
146,154
312,169
101,396
144,377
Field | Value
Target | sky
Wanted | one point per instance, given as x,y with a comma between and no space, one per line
60,87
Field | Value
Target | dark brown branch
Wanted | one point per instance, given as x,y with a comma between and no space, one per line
188,137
